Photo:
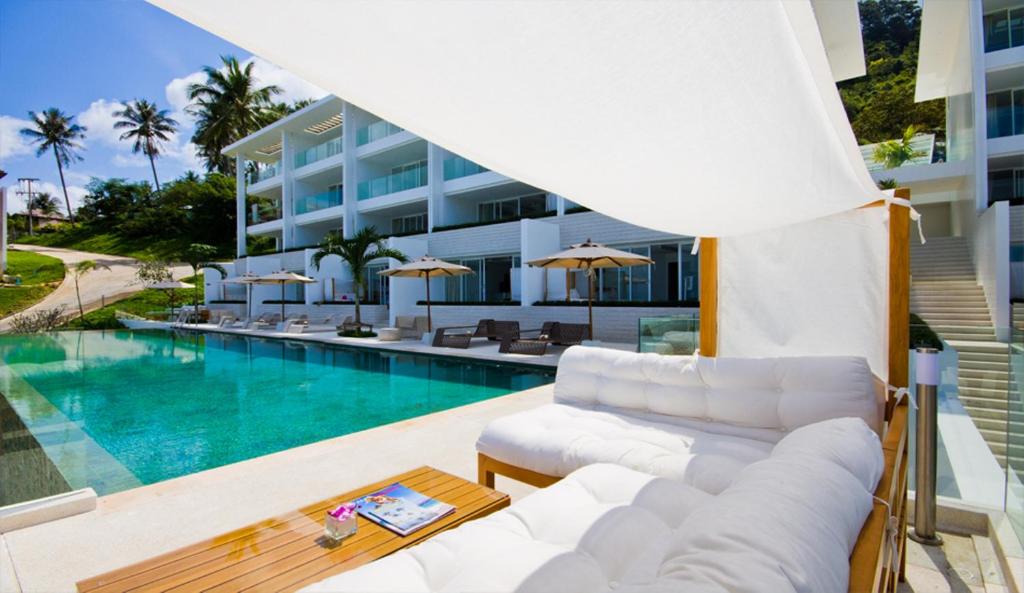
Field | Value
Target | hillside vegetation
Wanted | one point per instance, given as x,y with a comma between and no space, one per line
39,274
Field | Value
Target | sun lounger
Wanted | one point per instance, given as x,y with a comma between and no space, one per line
411,326
786,523
460,337
552,332
264,321
226,321
322,324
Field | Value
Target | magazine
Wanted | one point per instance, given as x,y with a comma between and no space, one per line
400,509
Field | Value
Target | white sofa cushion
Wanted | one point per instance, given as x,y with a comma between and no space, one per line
787,524
588,530
763,396
558,439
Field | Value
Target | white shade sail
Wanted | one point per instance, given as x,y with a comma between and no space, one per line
701,117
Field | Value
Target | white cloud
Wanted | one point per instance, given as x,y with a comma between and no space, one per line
99,120
16,202
12,143
176,92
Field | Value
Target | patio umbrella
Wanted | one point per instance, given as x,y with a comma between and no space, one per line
170,286
245,279
281,278
587,256
427,267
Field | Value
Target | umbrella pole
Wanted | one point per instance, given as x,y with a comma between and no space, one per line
427,277
590,300
567,285
282,302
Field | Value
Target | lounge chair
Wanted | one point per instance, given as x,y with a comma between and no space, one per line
226,320
349,324
552,332
264,321
321,324
788,523
460,337
411,326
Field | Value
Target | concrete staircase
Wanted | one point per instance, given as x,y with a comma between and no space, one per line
945,293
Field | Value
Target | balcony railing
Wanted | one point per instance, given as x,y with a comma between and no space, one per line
265,172
1004,29
376,131
326,199
396,182
458,166
318,153
264,213
929,151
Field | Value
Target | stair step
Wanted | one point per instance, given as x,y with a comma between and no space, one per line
983,402
984,392
957,336
983,374
977,383
986,413
975,356
984,366
969,346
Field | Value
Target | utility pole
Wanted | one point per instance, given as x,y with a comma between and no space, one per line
29,202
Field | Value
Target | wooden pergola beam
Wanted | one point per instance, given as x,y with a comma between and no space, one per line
708,273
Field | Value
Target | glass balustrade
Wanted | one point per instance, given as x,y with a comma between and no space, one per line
318,153
413,176
264,213
671,334
1015,423
376,131
458,166
265,172
326,199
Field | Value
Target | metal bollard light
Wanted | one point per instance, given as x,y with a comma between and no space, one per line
927,379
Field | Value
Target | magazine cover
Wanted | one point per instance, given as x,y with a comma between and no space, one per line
400,509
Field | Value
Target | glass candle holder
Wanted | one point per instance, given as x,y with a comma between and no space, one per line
340,522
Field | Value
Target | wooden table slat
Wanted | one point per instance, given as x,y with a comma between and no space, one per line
288,552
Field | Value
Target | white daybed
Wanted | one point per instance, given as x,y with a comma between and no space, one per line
786,523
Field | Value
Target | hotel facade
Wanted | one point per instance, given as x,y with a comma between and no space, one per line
335,167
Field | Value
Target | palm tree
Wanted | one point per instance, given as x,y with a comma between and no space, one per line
228,106
58,132
77,271
149,127
39,203
198,256
894,153
357,252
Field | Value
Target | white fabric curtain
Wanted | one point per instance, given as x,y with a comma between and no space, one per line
814,288
700,117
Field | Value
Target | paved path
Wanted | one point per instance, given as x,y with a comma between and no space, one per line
96,287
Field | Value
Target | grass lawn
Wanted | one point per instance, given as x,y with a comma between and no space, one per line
140,304
85,238
40,274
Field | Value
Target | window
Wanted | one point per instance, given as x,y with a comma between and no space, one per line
512,208
1005,111
1004,29
493,280
415,223
673,277
1006,184
376,284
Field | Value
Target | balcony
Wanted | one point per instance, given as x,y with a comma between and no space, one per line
260,213
318,153
376,131
326,199
925,148
263,173
412,177
1004,29
458,166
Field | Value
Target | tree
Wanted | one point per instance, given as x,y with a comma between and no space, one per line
57,132
149,127
894,153
357,252
39,203
228,106
198,256
77,271
153,272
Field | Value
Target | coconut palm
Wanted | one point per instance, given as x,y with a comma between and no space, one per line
198,256
149,127
39,203
357,252
894,153
53,130
229,105
77,271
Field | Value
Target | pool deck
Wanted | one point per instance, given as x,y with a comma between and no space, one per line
134,525
479,349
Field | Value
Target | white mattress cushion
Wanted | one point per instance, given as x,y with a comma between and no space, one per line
585,533
773,394
558,439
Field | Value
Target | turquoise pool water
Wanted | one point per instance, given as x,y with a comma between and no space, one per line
117,409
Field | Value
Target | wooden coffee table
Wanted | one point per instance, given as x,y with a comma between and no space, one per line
289,552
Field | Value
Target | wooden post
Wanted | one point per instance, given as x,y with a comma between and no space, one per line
708,296
899,291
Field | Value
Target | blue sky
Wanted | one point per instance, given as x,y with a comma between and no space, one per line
85,57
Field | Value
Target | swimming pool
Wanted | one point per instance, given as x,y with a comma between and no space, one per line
118,409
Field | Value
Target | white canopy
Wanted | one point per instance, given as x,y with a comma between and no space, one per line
703,117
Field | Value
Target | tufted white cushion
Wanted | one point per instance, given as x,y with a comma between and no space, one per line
557,439
787,524
777,394
598,526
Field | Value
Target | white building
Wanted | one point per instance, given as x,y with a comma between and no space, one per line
334,166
